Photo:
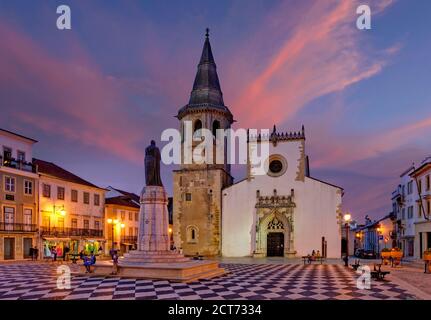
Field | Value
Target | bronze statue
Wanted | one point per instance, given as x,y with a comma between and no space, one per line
152,165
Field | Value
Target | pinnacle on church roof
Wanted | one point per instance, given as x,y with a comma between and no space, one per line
206,92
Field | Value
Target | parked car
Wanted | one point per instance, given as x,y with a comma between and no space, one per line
365,254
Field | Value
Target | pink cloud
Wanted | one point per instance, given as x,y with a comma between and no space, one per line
320,54
73,97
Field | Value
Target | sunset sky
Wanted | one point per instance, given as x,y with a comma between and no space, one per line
94,96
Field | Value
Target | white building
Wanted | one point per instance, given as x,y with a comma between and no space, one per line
411,204
71,211
285,212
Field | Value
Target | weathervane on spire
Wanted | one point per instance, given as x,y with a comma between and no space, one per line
207,34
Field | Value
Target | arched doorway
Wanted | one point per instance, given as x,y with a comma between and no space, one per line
275,244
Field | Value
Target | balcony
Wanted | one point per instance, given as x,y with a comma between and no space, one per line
17,227
129,239
71,232
398,196
17,164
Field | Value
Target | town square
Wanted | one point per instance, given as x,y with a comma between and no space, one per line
185,152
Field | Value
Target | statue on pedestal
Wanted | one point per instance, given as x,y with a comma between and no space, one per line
152,165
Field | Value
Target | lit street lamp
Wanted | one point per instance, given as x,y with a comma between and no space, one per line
347,218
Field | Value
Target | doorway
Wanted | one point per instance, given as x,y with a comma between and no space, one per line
28,243
9,248
275,244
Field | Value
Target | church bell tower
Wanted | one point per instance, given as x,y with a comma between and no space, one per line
198,186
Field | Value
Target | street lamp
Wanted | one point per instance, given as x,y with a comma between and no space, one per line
113,223
347,217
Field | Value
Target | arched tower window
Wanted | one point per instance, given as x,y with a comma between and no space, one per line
216,125
192,234
196,128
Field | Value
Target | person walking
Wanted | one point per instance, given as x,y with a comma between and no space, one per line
31,253
114,263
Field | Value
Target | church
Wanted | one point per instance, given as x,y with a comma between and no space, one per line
285,212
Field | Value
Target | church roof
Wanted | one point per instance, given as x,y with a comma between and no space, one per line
206,93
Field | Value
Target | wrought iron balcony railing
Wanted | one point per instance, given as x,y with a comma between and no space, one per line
17,164
70,232
17,227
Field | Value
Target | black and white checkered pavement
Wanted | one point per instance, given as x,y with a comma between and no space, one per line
244,281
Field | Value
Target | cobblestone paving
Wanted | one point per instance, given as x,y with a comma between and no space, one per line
244,281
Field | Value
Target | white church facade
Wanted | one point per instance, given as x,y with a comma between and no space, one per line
284,212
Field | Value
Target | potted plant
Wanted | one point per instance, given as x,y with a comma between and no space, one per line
396,253
386,253
427,255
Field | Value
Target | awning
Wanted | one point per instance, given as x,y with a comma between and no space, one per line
56,239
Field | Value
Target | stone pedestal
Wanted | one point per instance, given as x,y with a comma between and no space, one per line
154,259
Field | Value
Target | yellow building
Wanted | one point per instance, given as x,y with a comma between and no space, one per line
18,197
71,212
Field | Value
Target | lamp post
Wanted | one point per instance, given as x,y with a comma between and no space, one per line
114,223
347,218
379,232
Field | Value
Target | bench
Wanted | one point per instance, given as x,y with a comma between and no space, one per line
377,273
356,265
310,259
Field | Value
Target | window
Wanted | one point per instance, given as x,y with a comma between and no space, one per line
96,225
45,221
74,195
123,215
410,212
74,223
86,224
188,197
427,183
60,223
21,156
136,232
9,184
277,165
216,125
410,187
46,190
86,198
192,234
9,217
420,186
28,218
130,215
403,214
131,231
28,187
136,216
97,200
7,154
60,193
197,132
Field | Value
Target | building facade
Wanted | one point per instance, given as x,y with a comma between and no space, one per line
71,212
285,212
18,197
411,202
121,219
